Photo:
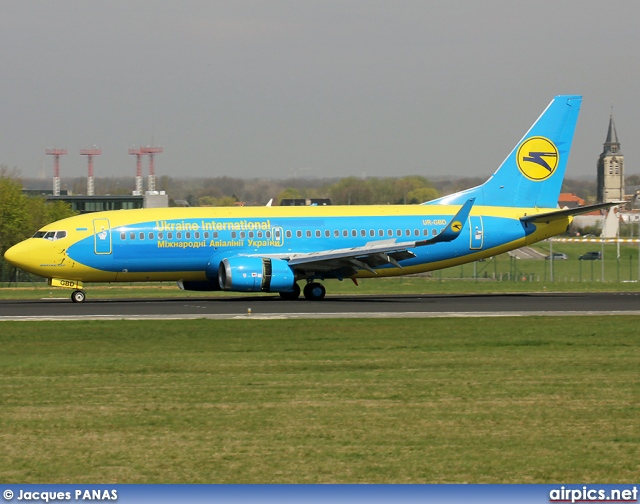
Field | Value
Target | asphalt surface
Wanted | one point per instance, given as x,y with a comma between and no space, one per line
331,307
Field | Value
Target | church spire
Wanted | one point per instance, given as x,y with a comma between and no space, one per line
611,168
611,144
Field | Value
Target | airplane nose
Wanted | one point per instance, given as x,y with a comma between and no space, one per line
17,255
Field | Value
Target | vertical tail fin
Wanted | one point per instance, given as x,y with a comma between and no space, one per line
532,174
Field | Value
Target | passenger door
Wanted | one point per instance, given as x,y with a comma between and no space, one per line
102,236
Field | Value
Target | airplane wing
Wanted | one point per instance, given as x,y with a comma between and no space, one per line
561,214
377,253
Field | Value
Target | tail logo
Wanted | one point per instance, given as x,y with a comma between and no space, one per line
537,158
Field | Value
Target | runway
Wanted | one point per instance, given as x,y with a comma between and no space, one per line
272,307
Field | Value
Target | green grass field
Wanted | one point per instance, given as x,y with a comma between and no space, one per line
510,400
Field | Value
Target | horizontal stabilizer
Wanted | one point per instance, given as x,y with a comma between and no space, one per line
568,212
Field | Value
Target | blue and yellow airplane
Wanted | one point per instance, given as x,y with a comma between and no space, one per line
271,249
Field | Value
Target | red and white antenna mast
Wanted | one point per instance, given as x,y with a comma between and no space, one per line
56,168
151,151
138,153
90,153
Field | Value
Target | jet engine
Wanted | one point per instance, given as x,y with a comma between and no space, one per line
253,274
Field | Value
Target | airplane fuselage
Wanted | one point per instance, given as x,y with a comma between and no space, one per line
188,243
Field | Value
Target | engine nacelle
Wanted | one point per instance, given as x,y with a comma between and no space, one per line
253,274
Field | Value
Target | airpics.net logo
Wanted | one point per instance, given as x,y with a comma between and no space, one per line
587,494
537,158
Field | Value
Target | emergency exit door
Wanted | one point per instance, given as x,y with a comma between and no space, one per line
476,231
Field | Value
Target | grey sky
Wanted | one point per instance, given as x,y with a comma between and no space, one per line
326,88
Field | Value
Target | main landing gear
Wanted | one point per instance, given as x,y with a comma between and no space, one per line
313,291
78,296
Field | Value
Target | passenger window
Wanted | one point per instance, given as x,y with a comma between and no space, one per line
434,232
425,232
288,233
206,235
308,233
399,232
416,232
345,233
318,234
372,232
389,232
327,233
187,235
363,232
151,236
169,236
407,232
160,236
380,232
215,235
336,233
123,236
299,233
250,234
178,235
267,234
233,235
259,234
142,236
354,233
242,234
132,236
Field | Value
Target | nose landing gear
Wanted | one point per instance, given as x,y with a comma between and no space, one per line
78,296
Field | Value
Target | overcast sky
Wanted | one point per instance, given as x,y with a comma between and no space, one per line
279,88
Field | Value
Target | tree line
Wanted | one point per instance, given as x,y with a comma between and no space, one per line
20,215
228,191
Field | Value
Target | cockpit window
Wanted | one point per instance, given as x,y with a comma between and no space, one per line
50,235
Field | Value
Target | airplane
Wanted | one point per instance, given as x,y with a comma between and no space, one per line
271,249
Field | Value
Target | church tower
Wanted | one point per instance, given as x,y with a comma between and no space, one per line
611,168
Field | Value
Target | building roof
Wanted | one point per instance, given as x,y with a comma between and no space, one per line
569,200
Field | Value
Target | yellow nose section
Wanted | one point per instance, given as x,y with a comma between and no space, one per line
17,256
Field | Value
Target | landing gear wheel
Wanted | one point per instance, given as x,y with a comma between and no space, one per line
314,291
292,294
77,296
